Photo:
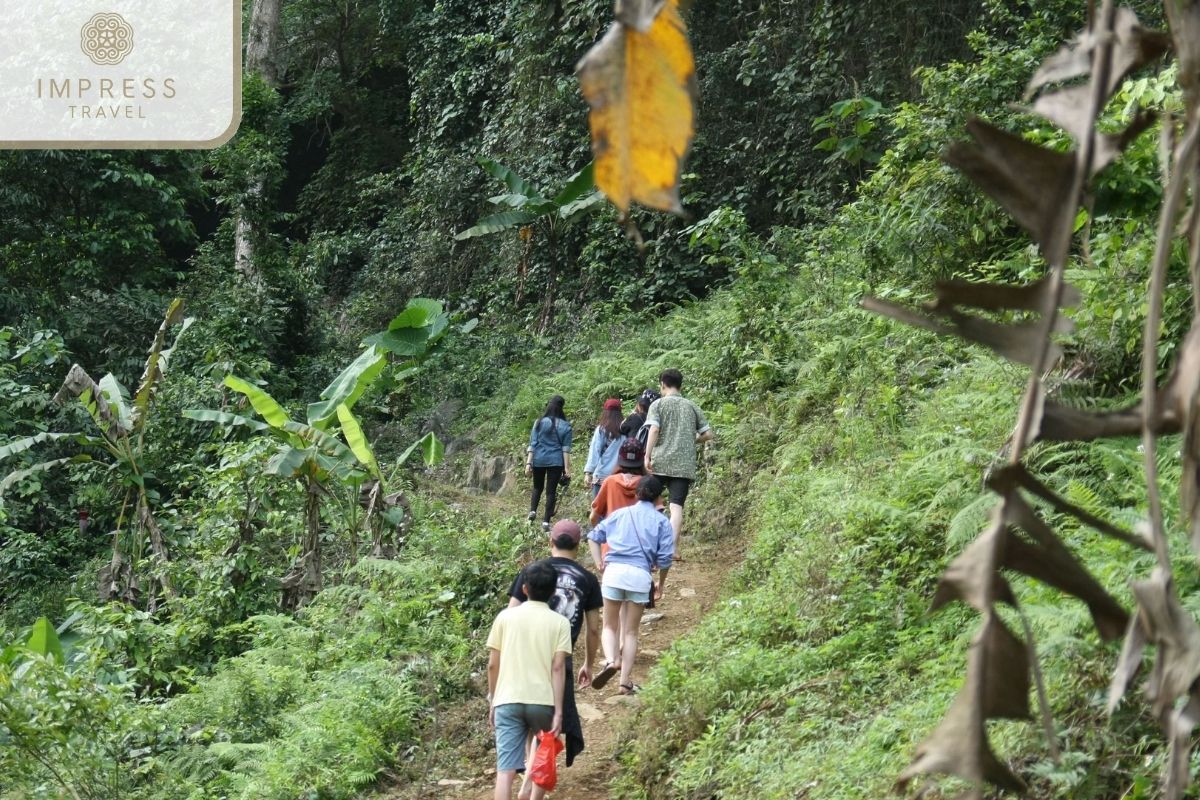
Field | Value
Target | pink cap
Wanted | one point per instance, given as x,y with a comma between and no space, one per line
569,527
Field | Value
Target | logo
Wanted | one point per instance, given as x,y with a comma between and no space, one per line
106,39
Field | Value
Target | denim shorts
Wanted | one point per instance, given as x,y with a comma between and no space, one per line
514,723
621,595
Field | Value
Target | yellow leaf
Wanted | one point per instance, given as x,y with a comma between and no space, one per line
642,90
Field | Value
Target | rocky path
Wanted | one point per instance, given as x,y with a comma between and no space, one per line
464,767
692,588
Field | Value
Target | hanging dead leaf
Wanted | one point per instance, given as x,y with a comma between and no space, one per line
1001,296
1021,342
1132,650
1048,560
1032,183
1012,476
1179,732
1133,47
1185,32
637,14
642,91
1070,109
997,685
973,576
1176,638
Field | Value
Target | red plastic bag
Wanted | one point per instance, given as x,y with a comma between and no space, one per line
544,771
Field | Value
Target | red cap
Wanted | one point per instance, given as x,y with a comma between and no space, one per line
612,402
569,527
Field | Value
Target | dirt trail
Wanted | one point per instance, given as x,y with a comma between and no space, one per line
468,772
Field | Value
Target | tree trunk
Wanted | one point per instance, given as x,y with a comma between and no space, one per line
260,43
303,581
547,316
148,525
260,59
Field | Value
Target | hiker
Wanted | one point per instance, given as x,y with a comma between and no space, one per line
528,647
548,458
639,539
577,597
620,489
606,442
637,418
677,426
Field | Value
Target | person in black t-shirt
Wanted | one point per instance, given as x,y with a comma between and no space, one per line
634,422
577,597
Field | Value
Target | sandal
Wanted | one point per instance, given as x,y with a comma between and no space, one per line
629,688
604,675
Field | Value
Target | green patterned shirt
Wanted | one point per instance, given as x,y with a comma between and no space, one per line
679,421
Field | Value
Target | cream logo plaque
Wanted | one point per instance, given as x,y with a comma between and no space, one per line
107,39
120,73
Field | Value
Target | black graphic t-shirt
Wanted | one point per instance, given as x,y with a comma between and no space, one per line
578,592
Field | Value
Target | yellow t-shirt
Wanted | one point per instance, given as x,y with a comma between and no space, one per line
527,637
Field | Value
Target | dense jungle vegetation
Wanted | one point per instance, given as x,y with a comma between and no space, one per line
295,604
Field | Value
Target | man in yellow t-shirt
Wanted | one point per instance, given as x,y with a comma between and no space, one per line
527,663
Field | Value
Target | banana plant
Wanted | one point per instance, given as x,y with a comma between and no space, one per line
310,452
120,423
530,209
386,510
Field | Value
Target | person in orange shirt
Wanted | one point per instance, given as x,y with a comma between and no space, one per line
620,488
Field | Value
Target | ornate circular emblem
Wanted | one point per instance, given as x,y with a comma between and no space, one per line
107,38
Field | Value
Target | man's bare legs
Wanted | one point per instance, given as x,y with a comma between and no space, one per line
505,779
677,524
529,789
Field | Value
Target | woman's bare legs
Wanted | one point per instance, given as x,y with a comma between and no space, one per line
632,614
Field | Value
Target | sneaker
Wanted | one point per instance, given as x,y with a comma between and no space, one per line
532,516
545,527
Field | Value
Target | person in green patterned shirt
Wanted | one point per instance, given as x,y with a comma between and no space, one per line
677,426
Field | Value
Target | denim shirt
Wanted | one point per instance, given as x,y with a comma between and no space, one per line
548,440
601,460
620,529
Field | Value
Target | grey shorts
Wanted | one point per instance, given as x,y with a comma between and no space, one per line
514,723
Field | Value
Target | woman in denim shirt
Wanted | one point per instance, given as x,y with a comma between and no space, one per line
548,457
606,446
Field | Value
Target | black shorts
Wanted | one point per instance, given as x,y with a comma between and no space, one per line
677,488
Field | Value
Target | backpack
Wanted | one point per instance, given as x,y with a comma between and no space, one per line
643,435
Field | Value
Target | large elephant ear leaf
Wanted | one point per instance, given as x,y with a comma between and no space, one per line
640,82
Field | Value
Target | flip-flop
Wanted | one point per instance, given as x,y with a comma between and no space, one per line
629,689
604,675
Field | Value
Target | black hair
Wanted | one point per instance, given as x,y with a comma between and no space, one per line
564,541
555,407
540,580
671,378
649,488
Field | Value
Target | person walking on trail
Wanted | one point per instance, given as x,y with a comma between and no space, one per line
577,597
637,418
606,443
639,539
619,490
528,648
677,426
548,458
